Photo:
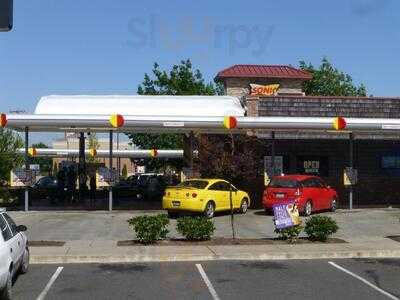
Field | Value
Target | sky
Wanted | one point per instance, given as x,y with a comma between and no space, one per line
105,47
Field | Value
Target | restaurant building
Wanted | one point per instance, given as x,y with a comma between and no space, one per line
267,90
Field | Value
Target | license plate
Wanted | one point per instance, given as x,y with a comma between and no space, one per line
176,203
280,195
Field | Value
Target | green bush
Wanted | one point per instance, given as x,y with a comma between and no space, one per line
6,197
319,228
150,229
195,229
289,234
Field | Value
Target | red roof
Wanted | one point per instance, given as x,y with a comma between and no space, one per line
263,71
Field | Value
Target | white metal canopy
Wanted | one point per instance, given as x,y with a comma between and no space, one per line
138,105
60,153
210,124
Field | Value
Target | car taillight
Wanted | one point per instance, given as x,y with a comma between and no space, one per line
194,195
297,193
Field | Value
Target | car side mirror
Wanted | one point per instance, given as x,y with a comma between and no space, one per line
21,228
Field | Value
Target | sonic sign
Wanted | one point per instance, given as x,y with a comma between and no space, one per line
263,90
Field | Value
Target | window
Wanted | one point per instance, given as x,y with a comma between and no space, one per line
11,223
283,183
5,231
308,183
320,183
198,184
221,186
390,162
225,186
215,186
312,183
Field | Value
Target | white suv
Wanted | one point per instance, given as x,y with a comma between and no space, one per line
14,253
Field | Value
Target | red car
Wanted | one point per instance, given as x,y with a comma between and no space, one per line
310,193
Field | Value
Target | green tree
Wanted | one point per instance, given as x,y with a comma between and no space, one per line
182,79
9,143
45,163
124,172
329,81
93,143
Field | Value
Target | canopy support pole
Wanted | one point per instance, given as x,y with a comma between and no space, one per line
110,194
26,167
82,168
191,154
273,153
351,165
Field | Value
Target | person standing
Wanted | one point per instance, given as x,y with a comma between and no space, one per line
93,187
61,184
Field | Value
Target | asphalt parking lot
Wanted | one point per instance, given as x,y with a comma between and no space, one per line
312,279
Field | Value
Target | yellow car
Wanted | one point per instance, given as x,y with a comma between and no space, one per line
204,196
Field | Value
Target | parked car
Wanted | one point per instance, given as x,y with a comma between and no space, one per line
127,188
310,193
204,196
14,253
149,186
45,188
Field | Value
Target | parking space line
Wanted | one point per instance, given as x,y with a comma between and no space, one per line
50,283
383,292
207,282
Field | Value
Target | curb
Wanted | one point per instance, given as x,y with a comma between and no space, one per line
75,259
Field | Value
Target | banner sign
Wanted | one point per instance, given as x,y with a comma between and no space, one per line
286,215
22,178
263,90
350,176
268,171
105,177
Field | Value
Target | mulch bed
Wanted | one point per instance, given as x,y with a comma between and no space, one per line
395,238
46,243
227,242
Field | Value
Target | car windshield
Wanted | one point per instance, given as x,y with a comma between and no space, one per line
198,184
284,183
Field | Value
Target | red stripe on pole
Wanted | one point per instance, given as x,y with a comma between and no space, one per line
3,120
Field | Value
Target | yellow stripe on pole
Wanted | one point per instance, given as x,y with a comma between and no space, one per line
117,121
32,152
3,120
230,122
339,123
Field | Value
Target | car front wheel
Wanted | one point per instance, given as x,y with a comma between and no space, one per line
25,262
6,292
333,205
308,209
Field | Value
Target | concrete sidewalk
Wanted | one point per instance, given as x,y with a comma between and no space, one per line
92,237
109,252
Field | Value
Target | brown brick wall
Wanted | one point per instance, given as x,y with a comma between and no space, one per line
306,106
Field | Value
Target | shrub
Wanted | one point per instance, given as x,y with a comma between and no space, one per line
195,229
289,234
319,228
150,229
6,197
